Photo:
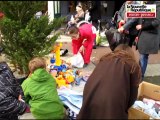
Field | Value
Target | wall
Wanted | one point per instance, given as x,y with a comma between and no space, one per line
109,12
64,8
110,8
50,10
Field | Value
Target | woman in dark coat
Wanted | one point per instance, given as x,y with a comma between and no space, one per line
149,38
112,87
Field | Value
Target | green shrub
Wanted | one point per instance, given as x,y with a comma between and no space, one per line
25,36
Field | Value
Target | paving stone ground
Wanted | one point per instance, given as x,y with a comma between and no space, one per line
153,68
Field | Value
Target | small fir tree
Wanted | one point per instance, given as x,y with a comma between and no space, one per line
25,36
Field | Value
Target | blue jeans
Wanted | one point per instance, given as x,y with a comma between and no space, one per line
143,63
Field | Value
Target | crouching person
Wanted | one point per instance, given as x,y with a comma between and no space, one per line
112,87
82,40
11,103
41,93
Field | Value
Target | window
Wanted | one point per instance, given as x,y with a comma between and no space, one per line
57,9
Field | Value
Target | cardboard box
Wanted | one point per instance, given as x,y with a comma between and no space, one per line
146,90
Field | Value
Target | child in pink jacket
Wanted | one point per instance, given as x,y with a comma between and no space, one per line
82,40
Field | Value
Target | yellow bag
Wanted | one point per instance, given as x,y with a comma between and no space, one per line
98,38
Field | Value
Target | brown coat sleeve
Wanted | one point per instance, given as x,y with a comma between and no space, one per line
134,84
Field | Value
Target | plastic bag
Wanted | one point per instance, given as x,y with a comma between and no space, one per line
77,60
98,38
72,18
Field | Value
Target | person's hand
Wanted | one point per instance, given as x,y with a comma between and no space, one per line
20,98
72,22
138,27
121,29
122,21
136,39
76,16
81,49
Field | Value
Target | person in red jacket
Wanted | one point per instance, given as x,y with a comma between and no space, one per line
83,40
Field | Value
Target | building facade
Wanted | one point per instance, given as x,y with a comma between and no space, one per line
67,8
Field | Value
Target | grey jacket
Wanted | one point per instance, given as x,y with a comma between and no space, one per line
122,11
130,25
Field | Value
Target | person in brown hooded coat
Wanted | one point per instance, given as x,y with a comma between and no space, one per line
112,88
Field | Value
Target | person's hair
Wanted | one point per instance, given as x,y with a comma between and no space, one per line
124,52
126,48
35,63
79,5
73,30
120,50
83,5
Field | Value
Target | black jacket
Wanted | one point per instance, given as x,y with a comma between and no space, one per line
149,38
9,92
95,11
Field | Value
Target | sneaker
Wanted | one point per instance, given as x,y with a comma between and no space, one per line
85,65
94,47
63,52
